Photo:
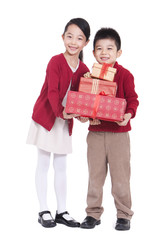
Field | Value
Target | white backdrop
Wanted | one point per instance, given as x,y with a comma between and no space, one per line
30,35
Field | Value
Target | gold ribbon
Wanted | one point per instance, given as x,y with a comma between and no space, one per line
95,86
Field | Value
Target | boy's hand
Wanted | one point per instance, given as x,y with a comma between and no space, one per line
87,75
126,117
83,119
94,121
69,116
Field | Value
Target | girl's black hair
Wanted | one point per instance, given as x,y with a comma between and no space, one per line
84,26
108,33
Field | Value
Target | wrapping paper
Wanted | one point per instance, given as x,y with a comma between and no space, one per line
103,71
96,106
96,86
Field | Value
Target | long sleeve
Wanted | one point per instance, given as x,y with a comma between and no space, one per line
130,95
53,76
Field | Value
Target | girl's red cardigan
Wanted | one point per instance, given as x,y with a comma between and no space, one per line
49,103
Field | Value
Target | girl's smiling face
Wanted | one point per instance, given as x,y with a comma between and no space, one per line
106,51
74,40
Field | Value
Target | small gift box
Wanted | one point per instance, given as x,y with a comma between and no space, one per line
95,86
96,106
103,71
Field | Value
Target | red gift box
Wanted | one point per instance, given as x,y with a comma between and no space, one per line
103,71
95,86
96,106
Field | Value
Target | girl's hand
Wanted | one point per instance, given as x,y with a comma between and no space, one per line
69,116
94,121
83,119
126,117
87,75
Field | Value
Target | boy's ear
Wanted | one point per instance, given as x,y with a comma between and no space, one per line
62,37
119,53
93,53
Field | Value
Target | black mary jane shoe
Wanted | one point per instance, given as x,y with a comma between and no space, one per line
46,223
122,224
70,223
90,222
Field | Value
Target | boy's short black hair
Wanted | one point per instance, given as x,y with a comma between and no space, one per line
108,33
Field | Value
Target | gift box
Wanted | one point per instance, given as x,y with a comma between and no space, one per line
103,71
96,106
95,86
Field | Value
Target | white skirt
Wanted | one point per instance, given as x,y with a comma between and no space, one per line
57,140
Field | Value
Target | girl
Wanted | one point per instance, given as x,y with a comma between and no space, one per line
51,126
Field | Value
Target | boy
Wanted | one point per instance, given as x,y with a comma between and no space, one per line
108,142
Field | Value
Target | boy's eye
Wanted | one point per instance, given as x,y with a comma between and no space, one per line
99,48
80,39
110,48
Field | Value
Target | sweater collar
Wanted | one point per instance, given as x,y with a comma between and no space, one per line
116,65
66,63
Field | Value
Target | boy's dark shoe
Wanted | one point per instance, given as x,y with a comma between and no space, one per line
70,223
46,223
122,224
89,222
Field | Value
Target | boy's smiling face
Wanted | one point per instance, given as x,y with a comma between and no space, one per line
106,51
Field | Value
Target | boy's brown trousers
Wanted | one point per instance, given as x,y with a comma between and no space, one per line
113,150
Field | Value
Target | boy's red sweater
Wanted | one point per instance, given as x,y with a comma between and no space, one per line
125,89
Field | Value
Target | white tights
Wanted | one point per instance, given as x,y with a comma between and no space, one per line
60,182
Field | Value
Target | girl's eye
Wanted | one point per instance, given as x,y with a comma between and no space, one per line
99,48
80,39
109,48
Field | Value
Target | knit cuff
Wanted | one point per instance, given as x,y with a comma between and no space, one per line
131,112
61,113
